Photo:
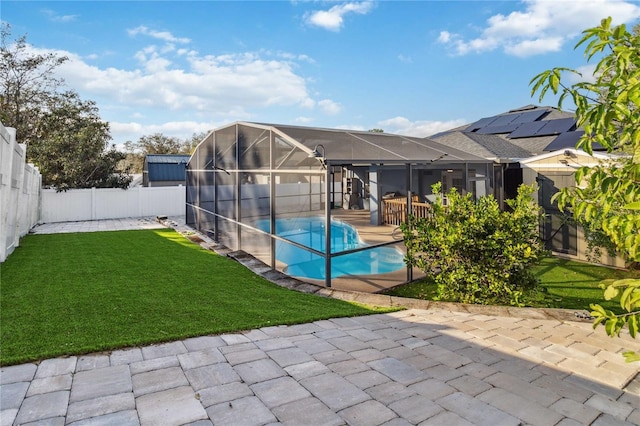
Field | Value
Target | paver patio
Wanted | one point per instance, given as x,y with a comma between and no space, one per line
261,377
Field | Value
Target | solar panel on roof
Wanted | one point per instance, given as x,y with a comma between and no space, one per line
565,140
495,130
529,116
527,130
555,127
483,122
569,140
502,120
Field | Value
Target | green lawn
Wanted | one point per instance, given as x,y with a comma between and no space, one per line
563,284
68,294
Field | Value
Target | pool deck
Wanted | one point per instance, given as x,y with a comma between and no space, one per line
372,234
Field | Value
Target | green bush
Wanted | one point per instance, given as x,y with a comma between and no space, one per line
475,252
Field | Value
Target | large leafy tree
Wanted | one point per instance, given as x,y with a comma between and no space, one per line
607,197
28,84
70,147
65,135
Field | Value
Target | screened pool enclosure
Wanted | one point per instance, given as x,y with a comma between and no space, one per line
270,190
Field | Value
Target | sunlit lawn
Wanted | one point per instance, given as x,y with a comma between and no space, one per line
64,294
563,284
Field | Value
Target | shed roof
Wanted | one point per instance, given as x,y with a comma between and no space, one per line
167,158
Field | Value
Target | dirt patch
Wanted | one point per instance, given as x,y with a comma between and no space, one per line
195,238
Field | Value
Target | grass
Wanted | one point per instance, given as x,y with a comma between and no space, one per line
563,284
69,294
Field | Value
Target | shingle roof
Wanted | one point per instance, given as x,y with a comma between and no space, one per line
502,136
500,147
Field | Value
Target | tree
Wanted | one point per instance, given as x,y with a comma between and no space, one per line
70,147
65,136
607,196
191,143
475,252
28,84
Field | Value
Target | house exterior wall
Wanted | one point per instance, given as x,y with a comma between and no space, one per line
562,175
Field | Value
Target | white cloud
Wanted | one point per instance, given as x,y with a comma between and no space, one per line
225,84
132,131
333,19
167,87
543,26
160,35
329,107
535,47
405,59
588,74
403,126
54,17
350,127
444,37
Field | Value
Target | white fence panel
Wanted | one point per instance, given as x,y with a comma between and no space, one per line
111,203
168,200
114,203
19,192
69,206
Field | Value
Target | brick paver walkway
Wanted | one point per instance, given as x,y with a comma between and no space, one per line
411,367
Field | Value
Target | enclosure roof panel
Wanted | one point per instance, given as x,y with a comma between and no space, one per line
354,146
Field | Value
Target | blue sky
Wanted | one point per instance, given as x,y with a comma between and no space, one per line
412,67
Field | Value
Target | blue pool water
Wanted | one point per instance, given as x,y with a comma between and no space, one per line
310,232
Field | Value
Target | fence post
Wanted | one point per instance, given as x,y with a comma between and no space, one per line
140,201
93,203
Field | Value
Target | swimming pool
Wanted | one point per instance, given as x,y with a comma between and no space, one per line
310,232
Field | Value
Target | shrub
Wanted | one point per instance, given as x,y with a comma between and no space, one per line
475,252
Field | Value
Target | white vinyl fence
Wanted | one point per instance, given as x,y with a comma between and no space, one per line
111,203
19,192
